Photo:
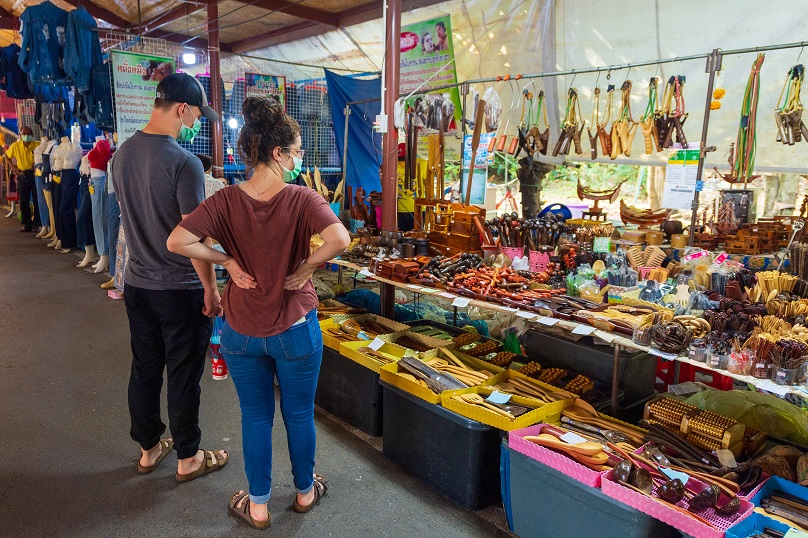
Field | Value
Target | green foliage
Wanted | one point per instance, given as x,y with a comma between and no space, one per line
502,163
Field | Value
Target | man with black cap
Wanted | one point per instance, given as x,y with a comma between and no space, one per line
170,299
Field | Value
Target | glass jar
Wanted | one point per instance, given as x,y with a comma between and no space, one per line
718,361
784,376
699,350
761,369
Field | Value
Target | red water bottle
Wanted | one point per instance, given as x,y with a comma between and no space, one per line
218,366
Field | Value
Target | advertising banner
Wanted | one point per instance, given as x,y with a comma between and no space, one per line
257,85
135,78
427,50
680,177
480,179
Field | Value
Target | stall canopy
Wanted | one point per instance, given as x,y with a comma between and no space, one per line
364,145
495,37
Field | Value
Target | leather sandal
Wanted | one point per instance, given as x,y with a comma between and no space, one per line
166,446
243,512
320,490
213,462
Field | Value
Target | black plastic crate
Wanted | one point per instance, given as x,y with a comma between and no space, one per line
351,392
636,374
456,456
542,502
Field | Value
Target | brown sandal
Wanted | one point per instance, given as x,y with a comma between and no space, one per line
213,462
243,512
320,489
166,446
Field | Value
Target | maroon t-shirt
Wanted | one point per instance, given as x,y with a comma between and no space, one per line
269,240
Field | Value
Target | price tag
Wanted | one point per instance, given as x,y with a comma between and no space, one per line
446,295
715,361
585,330
573,438
548,321
663,355
760,365
427,291
461,302
377,344
498,398
602,244
795,533
366,272
508,309
605,336
695,255
670,473
721,258
726,457
526,315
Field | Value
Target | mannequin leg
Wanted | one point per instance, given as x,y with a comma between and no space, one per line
102,266
89,256
56,191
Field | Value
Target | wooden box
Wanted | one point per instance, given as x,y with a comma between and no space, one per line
466,243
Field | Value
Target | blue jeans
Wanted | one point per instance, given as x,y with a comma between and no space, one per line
294,356
85,235
113,225
99,203
44,215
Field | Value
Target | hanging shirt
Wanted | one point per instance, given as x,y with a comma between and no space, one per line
43,41
24,155
13,79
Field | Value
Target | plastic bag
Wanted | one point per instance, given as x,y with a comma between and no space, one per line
763,412
493,109
323,291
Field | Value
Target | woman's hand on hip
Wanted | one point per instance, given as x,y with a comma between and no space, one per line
300,277
238,276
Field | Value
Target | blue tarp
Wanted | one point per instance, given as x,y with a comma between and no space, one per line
364,146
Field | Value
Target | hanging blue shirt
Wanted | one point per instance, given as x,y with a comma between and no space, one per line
43,41
82,49
13,79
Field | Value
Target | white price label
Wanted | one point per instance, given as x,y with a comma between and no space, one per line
770,386
366,272
498,398
461,302
526,315
605,336
585,330
377,344
446,295
573,438
548,321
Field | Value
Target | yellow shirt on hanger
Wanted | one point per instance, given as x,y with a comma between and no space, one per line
23,155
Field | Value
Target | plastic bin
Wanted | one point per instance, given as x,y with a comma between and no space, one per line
637,370
351,392
455,456
542,502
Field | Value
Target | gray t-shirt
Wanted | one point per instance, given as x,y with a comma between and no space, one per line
156,181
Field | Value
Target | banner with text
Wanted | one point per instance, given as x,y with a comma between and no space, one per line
135,77
479,181
680,177
427,50
256,85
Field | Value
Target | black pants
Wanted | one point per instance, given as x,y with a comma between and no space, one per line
85,234
67,208
168,332
26,186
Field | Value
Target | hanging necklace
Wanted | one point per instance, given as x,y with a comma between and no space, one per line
259,193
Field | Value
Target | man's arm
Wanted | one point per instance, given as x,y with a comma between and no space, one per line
207,275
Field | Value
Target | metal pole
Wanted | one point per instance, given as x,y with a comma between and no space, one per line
713,65
345,151
390,138
215,88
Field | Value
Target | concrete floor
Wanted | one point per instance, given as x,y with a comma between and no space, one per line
66,459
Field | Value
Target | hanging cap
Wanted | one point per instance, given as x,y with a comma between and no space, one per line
183,88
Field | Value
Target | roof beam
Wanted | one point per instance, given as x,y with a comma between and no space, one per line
343,19
100,13
297,10
158,21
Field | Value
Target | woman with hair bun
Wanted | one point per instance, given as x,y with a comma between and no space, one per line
264,225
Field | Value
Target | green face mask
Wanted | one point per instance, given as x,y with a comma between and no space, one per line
289,176
26,138
187,134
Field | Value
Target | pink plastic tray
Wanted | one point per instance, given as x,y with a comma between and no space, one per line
751,495
666,514
551,458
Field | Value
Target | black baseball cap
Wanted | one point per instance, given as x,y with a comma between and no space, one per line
183,88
